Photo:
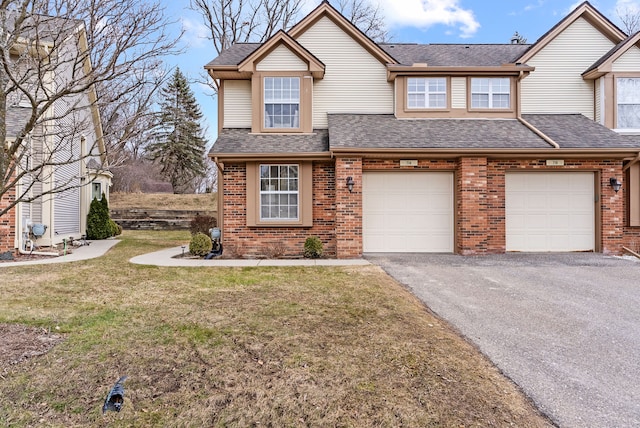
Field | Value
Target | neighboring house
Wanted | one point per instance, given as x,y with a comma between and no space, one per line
70,143
461,148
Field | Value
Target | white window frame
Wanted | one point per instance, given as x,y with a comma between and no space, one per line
279,192
627,97
281,93
494,88
429,89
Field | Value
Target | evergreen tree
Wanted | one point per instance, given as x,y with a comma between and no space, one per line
180,144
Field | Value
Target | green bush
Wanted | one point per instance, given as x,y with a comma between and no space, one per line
115,228
98,221
313,247
200,244
202,224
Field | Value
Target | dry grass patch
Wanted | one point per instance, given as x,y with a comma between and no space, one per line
243,347
164,201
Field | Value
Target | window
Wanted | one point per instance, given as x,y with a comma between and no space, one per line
628,100
282,102
96,191
491,93
279,192
426,92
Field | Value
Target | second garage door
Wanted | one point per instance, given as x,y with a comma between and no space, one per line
550,211
407,211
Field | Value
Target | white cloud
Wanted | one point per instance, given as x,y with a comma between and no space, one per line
195,33
427,13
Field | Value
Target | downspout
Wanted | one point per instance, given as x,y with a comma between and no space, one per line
532,128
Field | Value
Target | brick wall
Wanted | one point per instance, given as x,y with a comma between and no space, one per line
472,225
8,223
256,242
349,208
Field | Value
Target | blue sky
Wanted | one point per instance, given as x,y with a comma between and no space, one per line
411,21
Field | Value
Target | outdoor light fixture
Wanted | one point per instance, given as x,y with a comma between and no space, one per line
350,184
615,184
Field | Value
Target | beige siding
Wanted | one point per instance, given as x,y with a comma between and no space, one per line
599,87
237,104
629,62
282,59
354,81
458,92
556,85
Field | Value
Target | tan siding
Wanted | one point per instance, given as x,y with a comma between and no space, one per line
599,108
354,81
282,59
629,62
459,92
556,85
237,104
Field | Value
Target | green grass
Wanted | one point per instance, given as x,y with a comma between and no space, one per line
280,346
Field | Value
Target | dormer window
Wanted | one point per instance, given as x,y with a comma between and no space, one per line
281,102
426,92
490,93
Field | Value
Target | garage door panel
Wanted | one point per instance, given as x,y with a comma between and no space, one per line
408,211
550,211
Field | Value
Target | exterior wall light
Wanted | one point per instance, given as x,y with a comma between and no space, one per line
350,184
613,182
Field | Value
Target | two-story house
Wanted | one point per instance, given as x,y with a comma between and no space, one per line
58,166
460,148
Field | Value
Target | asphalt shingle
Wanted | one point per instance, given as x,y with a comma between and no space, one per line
242,141
456,55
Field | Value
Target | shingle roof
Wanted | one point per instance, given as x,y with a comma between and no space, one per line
242,141
456,55
609,54
235,54
387,132
575,131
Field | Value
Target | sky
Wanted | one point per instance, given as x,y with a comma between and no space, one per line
408,21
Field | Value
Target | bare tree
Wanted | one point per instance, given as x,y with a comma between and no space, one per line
629,15
52,54
369,18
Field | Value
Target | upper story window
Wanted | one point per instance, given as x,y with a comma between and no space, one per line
628,100
281,102
279,198
491,93
423,92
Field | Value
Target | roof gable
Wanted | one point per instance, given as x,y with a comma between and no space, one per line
585,11
316,67
326,10
605,64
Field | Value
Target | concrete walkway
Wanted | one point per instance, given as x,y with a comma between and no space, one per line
168,258
85,252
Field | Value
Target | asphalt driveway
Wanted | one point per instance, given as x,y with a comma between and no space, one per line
564,327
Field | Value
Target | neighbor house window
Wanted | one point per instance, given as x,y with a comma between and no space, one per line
279,194
281,102
628,100
491,93
96,191
425,93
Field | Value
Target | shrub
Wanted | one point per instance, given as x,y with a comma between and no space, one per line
115,228
202,224
200,244
313,247
98,226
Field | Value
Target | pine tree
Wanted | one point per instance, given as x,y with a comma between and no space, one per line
180,144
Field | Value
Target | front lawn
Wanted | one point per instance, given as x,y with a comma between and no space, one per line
282,347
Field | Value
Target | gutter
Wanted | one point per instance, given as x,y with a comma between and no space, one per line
630,164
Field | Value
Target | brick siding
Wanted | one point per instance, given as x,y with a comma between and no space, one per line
479,206
8,223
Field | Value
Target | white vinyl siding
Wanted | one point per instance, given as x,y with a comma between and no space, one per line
599,107
556,85
282,59
407,211
354,81
237,104
459,92
628,62
550,211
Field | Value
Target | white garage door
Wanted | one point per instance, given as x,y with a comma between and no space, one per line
550,211
407,211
